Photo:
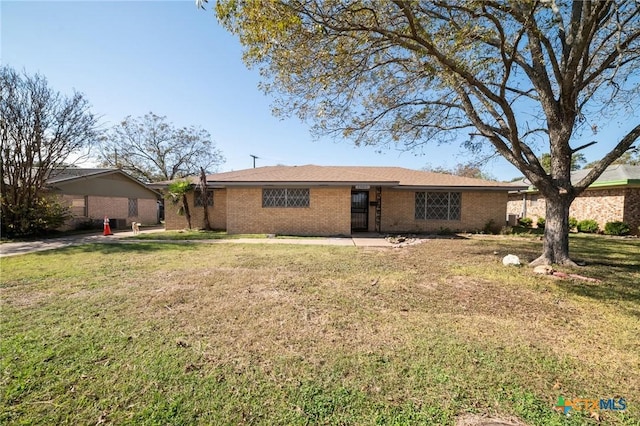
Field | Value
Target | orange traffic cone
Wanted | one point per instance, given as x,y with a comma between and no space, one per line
107,228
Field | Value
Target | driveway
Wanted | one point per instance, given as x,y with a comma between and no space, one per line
14,249
24,247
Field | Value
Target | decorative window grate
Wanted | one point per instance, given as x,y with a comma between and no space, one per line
438,205
199,198
133,207
285,197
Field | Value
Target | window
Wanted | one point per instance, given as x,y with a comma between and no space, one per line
79,206
133,207
285,197
199,199
438,205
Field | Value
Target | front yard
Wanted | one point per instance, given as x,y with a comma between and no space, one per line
152,333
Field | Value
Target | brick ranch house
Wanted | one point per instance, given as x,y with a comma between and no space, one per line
614,196
333,200
92,194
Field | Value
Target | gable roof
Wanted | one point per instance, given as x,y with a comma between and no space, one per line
617,174
71,174
614,175
312,175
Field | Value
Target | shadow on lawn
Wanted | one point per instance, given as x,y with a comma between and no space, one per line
615,262
623,291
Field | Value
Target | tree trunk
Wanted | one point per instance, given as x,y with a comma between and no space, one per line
207,223
187,213
205,196
556,232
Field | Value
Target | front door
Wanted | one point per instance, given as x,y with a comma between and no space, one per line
359,211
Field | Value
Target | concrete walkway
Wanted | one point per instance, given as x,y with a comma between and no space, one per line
14,249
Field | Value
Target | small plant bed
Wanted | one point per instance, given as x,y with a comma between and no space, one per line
523,230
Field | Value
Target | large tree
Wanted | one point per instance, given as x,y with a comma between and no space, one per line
42,132
524,76
152,149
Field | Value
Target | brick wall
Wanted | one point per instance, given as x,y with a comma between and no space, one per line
118,208
477,209
601,205
217,213
329,213
94,207
632,209
535,206
240,211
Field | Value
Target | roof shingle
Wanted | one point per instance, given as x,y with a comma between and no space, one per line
312,174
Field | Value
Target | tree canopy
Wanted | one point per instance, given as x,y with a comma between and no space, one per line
471,170
577,161
631,158
152,149
522,77
40,129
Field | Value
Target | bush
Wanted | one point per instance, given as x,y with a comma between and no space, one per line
573,223
616,228
540,222
525,221
89,224
445,231
588,225
490,227
506,230
44,214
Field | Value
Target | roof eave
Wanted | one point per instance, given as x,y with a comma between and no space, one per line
222,184
455,188
620,182
85,176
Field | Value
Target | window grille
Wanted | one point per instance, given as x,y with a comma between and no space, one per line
133,207
199,198
438,205
285,197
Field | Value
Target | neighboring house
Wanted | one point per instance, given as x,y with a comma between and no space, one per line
92,194
327,200
614,196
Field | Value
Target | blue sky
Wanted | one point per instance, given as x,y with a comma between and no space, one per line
173,59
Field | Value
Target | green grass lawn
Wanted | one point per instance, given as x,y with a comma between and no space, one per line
152,333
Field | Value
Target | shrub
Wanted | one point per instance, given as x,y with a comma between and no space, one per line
573,223
506,230
490,227
525,221
89,224
540,222
616,228
44,214
445,231
588,226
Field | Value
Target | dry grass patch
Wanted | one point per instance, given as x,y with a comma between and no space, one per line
151,333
